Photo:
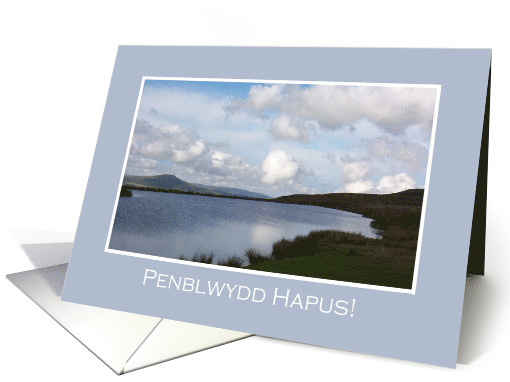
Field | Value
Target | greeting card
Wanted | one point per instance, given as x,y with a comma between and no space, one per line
322,195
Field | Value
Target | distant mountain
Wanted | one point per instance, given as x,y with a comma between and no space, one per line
235,192
166,182
171,182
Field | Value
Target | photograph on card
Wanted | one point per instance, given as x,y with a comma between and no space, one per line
319,180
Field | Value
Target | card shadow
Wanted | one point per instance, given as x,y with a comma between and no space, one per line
49,254
479,307
478,299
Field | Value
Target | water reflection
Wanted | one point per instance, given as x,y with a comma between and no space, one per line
170,225
263,236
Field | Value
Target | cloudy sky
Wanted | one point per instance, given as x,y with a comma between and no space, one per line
281,139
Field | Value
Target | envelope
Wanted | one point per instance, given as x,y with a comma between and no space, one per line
123,341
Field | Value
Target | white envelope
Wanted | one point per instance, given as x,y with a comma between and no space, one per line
123,341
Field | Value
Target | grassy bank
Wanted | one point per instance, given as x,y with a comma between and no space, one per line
336,255
333,255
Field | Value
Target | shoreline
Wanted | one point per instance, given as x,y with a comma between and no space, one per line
384,216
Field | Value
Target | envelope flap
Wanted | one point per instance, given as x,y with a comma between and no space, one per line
173,339
111,335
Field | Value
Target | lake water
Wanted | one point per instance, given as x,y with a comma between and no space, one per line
169,225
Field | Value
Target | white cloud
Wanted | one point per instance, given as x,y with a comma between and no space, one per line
279,168
335,106
219,158
402,152
387,185
225,161
292,129
356,170
181,151
179,135
400,182
169,143
189,153
260,98
359,186
263,96
143,166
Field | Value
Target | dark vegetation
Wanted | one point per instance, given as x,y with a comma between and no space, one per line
232,261
254,257
206,258
124,192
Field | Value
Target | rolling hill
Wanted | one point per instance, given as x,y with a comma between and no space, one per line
400,209
410,198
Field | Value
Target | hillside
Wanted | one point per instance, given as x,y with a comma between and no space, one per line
409,198
229,191
165,182
401,209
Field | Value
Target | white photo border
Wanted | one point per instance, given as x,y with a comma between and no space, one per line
411,291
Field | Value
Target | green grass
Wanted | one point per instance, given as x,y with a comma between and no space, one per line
371,265
335,255
343,256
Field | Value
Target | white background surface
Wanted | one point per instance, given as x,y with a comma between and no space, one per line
56,63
